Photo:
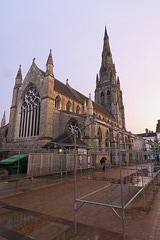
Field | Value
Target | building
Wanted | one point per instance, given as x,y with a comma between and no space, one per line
152,139
43,108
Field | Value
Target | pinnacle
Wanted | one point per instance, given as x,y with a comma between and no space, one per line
50,59
19,74
3,122
105,33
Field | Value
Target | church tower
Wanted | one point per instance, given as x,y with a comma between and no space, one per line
13,109
108,93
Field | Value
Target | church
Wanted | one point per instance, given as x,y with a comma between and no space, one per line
43,109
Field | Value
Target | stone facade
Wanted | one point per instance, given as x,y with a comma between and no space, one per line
108,93
43,108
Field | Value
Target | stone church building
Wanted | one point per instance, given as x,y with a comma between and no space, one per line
43,108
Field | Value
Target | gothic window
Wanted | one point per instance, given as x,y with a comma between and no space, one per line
72,126
68,106
99,136
30,114
108,98
107,139
111,135
102,98
77,109
111,75
57,102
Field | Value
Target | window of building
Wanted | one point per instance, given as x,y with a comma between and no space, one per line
107,139
68,106
99,136
108,98
102,98
77,109
30,114
72,125
57,102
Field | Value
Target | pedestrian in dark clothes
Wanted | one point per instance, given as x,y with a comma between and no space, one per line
102,161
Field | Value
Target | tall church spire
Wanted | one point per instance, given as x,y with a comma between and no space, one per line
49,64
107,92
107,63
18,80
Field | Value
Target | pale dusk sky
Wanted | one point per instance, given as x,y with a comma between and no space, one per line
74,30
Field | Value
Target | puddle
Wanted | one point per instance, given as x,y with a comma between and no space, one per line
38,227
13,219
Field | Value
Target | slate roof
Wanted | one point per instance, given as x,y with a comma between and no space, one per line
66,91
63,89
96,106
65,140
147,135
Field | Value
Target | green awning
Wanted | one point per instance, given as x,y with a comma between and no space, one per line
13,159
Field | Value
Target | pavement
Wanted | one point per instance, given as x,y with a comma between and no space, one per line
43,209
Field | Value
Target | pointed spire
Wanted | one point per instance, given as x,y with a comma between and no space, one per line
49,64
97,79
3,122
90,106
18,81
33,62
50,59
118,82
107,62
105,32
19,74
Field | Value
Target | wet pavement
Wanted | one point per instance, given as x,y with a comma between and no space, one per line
45,211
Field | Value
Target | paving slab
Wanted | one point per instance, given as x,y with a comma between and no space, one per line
52,204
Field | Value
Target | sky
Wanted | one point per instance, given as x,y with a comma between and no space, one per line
74,30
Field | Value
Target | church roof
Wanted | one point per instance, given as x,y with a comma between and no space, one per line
63,89
79,97
96,106
65,140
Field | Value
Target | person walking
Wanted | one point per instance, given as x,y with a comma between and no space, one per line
103,162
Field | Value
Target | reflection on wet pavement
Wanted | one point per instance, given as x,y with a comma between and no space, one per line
21,224
27,225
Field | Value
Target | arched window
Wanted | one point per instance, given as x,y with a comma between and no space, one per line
107,139
57,102
108,98
99,136
68,106
72,125
77,109
102,98
30,114
111,135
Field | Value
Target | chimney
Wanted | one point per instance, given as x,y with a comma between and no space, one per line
158,126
